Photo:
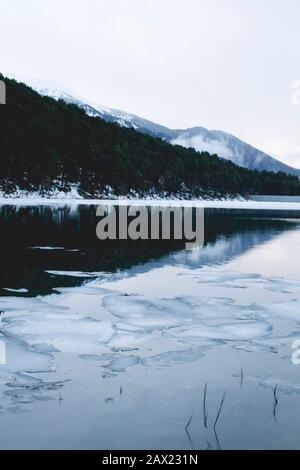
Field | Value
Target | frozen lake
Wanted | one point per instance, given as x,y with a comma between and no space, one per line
122,344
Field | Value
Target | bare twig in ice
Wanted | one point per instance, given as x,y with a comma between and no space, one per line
219,411
275,402
205,414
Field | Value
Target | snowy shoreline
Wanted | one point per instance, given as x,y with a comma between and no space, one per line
209,204
57,196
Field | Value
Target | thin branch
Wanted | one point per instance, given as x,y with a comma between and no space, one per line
242,377
189,422
217,439
187,430
205,414
275,402
219,411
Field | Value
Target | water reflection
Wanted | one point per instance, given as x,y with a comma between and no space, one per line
39,240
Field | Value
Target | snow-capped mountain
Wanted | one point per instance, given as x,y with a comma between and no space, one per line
221,143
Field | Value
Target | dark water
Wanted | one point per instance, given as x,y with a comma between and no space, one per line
112,344
37,239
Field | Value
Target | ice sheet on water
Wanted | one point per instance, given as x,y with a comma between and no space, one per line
171,358
148,313
189,319
93,357
285,386
23,389
232,279
21,291
74,273
236,279
43,348
126,340
276,342
46,248
282,285
221,308
255,346
238,331
106,326
85,290
34,304
54,248
68,332
15,374
114,362
122,363
223,277
289,310
201,301
21,359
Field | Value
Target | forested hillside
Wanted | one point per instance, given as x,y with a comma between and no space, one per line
45,143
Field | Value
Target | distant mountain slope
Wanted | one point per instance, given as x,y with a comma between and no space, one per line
47,144
220,143
231,148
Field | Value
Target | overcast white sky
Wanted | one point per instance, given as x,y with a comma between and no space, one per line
221,64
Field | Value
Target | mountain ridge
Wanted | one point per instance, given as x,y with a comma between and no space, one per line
48,145
223,144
